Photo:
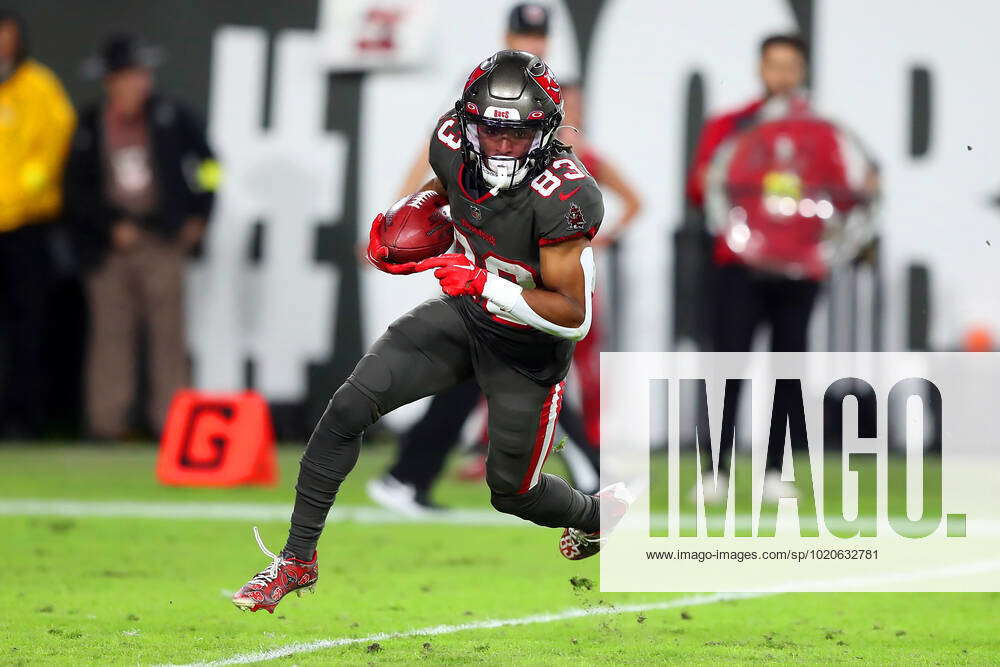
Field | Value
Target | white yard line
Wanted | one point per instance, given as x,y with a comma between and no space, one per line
309,647
217,511
223,511
689,601
276,512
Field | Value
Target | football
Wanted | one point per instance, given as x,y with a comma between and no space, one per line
416,227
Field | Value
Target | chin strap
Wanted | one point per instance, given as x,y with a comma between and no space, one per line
500,182
508,297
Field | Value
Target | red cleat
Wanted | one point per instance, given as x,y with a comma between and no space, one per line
284,575
576,544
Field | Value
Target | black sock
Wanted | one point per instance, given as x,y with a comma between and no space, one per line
330,455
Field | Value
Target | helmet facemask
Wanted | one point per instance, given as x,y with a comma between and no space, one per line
504,172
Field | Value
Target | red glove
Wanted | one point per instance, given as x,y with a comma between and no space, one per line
378,254
458,278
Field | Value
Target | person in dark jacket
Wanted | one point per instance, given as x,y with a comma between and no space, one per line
36,123
139,191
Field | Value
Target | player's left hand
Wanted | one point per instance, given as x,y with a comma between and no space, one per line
461,278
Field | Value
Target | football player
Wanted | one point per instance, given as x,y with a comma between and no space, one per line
424,447
515,302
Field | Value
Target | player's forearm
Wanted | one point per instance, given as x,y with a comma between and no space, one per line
550,312
555,307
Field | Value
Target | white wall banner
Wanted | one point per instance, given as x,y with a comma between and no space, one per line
375,34
290,177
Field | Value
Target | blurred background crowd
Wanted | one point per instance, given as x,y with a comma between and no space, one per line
187,214
111,200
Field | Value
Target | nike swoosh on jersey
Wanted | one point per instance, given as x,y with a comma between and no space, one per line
563,196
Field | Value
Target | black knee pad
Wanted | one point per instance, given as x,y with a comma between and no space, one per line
349,412
372,375
332,451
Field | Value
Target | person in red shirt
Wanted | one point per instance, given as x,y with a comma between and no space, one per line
783,62
746,298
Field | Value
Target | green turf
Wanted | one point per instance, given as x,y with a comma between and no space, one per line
127,472
128,591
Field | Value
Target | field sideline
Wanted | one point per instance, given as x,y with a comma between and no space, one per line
117,589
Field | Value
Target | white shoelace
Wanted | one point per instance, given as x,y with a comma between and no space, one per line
586,538
268,574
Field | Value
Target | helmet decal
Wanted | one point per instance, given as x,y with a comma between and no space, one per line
480,70
549,84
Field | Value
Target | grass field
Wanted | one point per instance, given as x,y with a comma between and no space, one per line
130,589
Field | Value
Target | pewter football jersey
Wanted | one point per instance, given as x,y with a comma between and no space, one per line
504,234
